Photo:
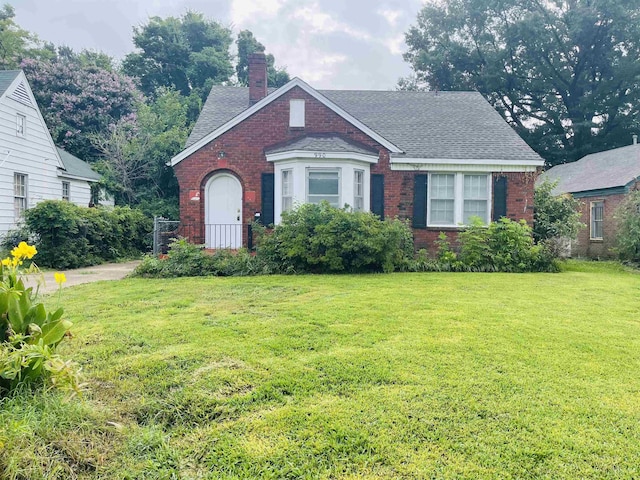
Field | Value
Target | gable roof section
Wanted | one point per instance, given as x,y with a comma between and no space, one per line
426,126
7,90
6,79
296,82
76,168
598,171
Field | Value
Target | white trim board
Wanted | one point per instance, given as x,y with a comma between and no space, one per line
461,166
321,155
466,161
296,82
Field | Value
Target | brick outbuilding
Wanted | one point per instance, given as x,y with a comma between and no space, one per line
601,181
434,158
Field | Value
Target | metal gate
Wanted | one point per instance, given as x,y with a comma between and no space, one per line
164,231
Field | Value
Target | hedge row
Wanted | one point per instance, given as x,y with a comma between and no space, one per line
69,236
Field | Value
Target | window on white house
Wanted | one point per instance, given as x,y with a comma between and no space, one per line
21,125
597,220
454,198
19,194
442,187
287,190
323,185
296,113
476,198
358,190
66,191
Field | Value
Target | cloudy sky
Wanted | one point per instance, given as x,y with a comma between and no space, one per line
342,44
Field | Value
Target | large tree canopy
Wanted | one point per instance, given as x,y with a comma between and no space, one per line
16,43
189,54
248,44
564,73
80,95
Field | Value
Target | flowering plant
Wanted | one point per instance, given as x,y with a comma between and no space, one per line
28,333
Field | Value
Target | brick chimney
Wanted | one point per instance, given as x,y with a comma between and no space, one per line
257,77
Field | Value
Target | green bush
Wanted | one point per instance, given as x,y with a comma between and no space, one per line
69,236
188,260
502,246
628,234
555,216
324,239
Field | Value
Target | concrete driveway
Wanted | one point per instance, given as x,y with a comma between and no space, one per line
107,271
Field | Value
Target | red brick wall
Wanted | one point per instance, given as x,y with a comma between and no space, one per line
584,246
243,148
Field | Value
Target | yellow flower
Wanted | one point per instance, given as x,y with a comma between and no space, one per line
6,262
24,250
60,278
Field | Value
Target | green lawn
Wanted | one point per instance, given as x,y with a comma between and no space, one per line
374,376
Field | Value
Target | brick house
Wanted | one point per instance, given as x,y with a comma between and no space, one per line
435,158
601,181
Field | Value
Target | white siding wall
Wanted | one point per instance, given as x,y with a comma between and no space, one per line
80,191
33,155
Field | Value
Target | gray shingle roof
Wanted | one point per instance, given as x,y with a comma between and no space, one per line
608,169
325,143
75,167
6,79
452,125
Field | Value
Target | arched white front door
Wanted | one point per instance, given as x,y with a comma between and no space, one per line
223,212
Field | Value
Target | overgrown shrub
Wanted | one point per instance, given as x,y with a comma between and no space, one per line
70,236
323,239
555,216
502,246
188,260
628,233
29,334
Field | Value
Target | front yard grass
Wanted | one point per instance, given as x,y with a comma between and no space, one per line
372,376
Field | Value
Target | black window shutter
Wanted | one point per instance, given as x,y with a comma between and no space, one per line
420,201
377,195
499,198
266,215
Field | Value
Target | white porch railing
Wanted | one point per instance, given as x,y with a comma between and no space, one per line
223,236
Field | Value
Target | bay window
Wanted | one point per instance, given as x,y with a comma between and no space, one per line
454,198
358,190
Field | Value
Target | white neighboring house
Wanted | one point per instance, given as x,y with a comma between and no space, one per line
32,168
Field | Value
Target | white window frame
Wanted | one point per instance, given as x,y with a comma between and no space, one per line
458,198
358,190
21,125
20,198
324,170
593,220
296,113
66,197
287,189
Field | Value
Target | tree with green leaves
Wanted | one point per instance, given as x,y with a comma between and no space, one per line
17,43
248,44
189,54
135,151
563,73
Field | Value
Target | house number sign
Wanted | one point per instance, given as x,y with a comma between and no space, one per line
320,155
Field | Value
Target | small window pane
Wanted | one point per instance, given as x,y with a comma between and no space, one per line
442,212
358,190
476,195
324,186
66,190
19,194
597,220
287,190
442,186
20,125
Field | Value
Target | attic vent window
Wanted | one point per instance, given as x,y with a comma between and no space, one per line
296,113
21,95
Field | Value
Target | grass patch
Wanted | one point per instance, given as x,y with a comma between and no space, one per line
369,376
